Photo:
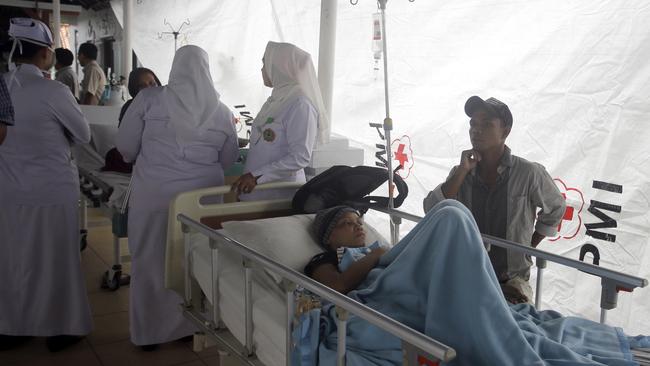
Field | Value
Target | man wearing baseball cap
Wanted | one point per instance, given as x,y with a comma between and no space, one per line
504,193
42,289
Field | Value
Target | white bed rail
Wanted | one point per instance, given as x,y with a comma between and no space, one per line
411,338
611,281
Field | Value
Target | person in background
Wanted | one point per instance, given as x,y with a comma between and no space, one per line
287,127
64,72
94,81
504,193
6,110
183,137
139,79
42,287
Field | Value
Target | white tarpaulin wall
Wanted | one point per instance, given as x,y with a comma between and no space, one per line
574,73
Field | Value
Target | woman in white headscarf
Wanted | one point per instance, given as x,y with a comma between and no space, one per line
287,127
183,138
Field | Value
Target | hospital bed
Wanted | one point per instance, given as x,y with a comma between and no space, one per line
107,191
245,297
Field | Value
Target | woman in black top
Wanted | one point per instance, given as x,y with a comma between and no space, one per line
139,79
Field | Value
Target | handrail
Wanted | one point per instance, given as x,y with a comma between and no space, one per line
407,334
627,281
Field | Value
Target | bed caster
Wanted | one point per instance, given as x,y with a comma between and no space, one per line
113,278
83,236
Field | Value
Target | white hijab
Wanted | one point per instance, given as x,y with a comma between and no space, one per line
192,99
292,74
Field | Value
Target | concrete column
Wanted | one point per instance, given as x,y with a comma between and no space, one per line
56,19
326,52
127,37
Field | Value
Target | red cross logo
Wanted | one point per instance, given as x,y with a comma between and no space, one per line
403,155
400,156
568,214
571,222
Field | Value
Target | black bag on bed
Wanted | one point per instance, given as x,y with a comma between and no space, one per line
347,185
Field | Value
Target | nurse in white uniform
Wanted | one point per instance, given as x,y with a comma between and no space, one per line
42,288
290,123
181,137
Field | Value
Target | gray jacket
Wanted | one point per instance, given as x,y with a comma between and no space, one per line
529,187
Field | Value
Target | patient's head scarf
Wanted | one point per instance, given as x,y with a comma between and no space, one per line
326,220
192,99
292,74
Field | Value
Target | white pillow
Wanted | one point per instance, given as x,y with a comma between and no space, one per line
287,240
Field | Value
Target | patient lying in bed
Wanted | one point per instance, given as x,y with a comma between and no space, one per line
439,281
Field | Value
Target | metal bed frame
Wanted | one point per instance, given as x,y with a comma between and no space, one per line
418,348
612,282
97,192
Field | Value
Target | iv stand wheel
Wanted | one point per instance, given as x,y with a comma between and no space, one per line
83,239
114,278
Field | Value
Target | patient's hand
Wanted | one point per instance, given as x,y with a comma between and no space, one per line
379,251
513,295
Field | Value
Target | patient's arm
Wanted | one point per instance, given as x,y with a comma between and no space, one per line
346,281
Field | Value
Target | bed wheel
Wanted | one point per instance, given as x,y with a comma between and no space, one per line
113,278
83,236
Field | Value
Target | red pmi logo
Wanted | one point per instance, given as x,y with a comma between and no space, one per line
403,154
571,222
423,361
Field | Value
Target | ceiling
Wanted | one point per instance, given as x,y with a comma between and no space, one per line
86,4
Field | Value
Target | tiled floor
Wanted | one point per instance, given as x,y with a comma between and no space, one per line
109,344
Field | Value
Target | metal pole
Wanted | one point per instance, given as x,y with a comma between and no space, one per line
188,282
326,52
116,250
541,264
76,47
342,322
216,318
603,316
248,299
388,125
289,288
127,38
56,12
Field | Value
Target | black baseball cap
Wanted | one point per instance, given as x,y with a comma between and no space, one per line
492,105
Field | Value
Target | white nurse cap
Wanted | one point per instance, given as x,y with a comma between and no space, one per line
30,30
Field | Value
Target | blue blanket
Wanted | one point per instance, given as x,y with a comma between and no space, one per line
439,281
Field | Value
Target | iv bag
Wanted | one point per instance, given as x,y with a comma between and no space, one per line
376,36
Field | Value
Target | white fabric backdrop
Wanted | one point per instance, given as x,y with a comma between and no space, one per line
575,75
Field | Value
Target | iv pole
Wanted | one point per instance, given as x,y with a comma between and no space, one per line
173,32
388,125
